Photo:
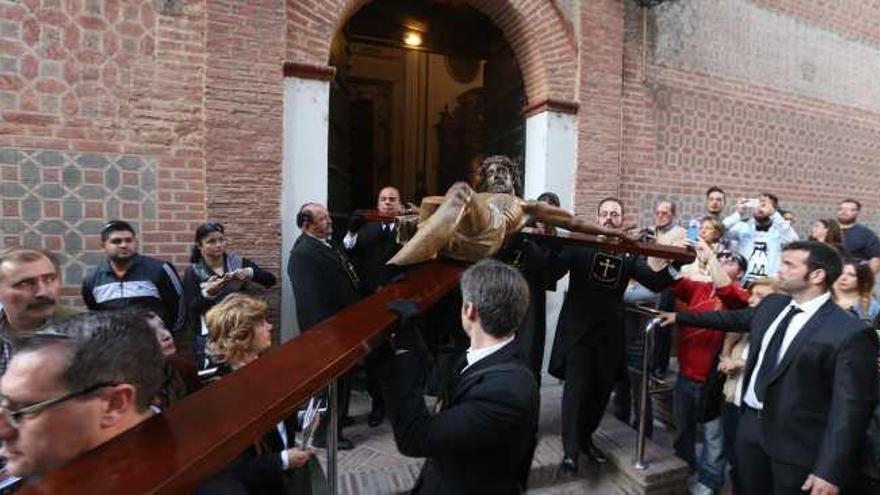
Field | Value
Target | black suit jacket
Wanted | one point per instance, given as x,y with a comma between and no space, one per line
593,305
483,439
261,469
821,394
370,252
321,285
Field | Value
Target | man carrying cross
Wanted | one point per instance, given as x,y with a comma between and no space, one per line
589,348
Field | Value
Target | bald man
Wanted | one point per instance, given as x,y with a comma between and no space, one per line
324,282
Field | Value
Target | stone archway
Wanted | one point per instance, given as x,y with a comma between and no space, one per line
544,45
541,38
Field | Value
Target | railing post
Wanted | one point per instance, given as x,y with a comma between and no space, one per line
332,437
639,462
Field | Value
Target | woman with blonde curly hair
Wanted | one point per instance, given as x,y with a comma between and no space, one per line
237,334
237,330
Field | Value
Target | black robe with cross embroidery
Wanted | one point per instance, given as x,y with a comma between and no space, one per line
593,306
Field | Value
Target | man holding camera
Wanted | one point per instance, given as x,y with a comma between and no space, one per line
760,238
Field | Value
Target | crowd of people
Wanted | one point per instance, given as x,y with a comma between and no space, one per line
774,337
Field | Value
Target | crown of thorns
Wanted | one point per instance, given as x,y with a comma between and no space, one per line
507,163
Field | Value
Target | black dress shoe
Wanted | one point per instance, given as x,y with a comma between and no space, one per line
342,443
569,465
377,414
595,455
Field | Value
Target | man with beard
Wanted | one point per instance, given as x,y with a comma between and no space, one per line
859,240
127,279
589,349
29,288
715,202
810,380
498,174
760,238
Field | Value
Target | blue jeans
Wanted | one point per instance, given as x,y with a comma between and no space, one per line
687,406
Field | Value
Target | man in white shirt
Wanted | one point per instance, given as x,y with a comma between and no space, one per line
482,438
810,380
759,238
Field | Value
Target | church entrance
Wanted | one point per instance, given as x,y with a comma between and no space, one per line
423,91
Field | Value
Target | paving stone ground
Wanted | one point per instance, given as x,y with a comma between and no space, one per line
375,466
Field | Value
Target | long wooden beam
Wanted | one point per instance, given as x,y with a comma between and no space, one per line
643,248
174,452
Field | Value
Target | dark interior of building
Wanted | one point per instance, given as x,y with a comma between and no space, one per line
423,91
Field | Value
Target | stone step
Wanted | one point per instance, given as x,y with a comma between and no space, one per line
375,466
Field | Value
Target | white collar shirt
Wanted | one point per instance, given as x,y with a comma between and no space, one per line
808,309
474,355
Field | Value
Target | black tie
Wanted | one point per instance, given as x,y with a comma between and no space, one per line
771,354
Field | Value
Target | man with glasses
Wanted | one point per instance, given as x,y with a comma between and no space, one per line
589,348
29,289
127,278
73,386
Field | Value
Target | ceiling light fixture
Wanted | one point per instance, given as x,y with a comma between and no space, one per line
412,38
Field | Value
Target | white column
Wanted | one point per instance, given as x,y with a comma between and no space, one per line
304,171
551,155
551,165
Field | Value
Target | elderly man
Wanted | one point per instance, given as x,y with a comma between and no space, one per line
73,386
324,282
29,288
482,437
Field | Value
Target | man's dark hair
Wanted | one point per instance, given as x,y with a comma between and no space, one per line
613,200
715,189
304,215
820,255
115,226
772,197
499,293
105,346
853,201
550,198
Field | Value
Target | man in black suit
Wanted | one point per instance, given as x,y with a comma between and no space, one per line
324,282
589,351
810,379
482,438
371,245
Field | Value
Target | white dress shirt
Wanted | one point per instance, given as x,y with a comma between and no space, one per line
474,355
808,309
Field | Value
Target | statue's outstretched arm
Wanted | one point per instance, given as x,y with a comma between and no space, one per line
558,217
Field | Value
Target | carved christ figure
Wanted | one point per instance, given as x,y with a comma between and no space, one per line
469,226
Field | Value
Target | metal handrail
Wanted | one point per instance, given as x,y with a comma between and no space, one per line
639,462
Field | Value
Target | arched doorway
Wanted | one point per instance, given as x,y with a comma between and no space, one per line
545,52
422,91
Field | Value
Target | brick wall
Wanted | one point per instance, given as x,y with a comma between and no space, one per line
115,108
752,96
539,32
101,106
243,108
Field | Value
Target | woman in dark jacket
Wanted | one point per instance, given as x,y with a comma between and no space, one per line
213,275
239,333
